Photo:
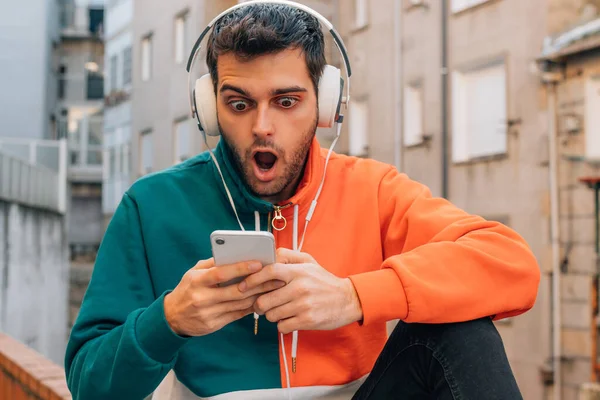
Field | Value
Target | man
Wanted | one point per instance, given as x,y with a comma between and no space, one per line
378,248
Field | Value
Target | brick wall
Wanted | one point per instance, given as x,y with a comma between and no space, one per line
25,374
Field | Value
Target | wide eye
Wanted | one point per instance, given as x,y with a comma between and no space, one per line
287,102
238,105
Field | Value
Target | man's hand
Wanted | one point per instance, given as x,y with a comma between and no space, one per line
312,299
198,306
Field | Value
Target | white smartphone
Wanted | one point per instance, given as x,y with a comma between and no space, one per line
230,247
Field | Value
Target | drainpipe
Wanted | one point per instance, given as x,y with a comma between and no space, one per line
444,72
551,83
398,80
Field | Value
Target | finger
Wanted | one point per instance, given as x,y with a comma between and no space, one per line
224,273
230,317
232,292
290,325
285,311
234,305
271,272
287,256
204,264
274,299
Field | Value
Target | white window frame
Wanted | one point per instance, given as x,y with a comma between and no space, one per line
413,115
146,58
461,5
358,127
361,13
466,146
114,73
127,66
181,36
143,163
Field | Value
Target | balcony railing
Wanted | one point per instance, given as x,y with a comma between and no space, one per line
84,137
34,172
81,89
81,21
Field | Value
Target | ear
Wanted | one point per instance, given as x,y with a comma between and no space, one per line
330,91
206,105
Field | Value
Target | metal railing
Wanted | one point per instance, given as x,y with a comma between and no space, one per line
88,87
27,180
79,20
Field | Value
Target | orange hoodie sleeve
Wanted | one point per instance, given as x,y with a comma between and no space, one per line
442,264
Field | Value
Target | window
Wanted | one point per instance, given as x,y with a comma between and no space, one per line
181,37
360,13
94,85
126,154
146,58
479,112
182,138
146,152
113,73
592,118
359,124
127,66
413,115
459,5
113,162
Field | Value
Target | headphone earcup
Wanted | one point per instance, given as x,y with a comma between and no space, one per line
206,105
330,90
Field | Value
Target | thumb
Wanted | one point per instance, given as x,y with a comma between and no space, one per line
287,256
204,264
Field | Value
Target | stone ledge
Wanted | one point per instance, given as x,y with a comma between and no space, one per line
24,370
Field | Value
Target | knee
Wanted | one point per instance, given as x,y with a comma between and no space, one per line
471,334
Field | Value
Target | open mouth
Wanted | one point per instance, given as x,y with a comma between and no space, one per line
265,160
264,165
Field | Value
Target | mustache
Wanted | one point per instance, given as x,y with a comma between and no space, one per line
263,143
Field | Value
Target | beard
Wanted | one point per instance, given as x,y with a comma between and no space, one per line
292,163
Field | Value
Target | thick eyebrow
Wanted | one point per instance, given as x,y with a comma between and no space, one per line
227,86
274,92
291,89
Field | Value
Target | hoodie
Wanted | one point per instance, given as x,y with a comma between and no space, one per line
410,256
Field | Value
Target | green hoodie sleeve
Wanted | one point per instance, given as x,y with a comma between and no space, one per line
121,346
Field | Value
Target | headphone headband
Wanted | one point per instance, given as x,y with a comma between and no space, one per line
336,38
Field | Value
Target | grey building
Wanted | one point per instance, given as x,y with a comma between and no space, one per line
117,111
80,118
29,35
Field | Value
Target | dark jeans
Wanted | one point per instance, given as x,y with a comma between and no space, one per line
459,361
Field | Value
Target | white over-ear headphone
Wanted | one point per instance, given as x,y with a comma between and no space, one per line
203,101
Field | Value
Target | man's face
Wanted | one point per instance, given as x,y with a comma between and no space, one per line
267,111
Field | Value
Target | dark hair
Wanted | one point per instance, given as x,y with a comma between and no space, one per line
259,29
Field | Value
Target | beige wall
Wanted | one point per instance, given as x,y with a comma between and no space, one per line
577,220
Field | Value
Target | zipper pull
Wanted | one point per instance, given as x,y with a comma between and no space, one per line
279,218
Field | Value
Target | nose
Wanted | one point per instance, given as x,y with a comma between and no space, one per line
263,126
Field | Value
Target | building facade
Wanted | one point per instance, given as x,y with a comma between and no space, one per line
477,126
28,79
117,110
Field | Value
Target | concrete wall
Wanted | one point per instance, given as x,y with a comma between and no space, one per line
34,278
